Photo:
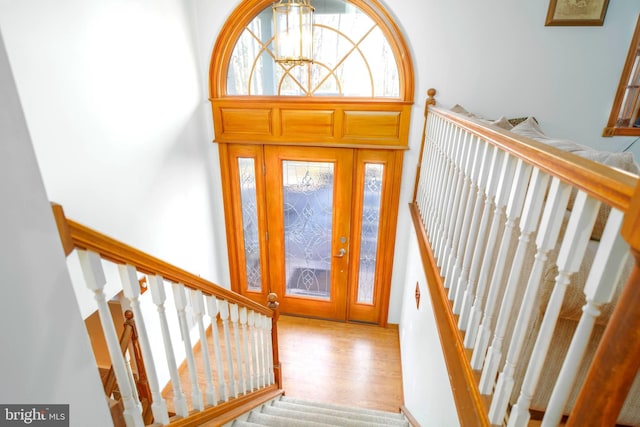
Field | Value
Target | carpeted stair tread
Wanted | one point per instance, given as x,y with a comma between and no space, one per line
240,423
275,421
306,416
355,414
373,412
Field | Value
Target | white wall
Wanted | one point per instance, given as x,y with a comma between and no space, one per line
114,93
46,355
497,58
425,380
116,104
115,98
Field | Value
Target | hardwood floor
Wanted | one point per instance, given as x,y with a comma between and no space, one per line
343,363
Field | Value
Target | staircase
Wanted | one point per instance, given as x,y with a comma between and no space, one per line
290,412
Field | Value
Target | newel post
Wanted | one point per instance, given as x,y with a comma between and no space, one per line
63,228
616,362
273,304
431,100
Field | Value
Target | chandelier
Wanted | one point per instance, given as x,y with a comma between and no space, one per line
293,32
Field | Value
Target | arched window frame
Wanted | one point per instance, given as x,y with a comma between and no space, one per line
357,122
248,10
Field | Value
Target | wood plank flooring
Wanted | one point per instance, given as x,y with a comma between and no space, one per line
343,363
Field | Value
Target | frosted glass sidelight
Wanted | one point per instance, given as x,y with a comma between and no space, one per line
372,198
247,183
308,223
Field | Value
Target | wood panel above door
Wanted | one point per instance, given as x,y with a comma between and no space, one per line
356,124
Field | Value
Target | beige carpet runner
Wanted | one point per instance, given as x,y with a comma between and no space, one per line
289,412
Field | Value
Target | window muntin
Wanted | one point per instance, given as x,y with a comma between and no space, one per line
352,58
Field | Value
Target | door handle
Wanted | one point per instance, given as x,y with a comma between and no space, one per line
340,253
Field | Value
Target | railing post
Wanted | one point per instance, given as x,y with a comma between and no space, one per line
142,384
616,362
273,304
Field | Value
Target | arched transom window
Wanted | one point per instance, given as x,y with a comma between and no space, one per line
352,58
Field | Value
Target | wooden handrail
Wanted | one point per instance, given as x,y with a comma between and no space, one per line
616,361
74,235
611,186
77,236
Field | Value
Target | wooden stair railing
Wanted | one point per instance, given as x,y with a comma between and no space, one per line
129,338
607,384
447,210
244,369
109,380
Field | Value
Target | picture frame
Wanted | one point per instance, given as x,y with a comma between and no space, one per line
576,12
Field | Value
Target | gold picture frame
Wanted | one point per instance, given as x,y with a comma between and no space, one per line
576,12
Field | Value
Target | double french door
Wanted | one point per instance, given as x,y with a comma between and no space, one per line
314,225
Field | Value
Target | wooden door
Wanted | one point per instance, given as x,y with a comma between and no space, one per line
314,225
309,223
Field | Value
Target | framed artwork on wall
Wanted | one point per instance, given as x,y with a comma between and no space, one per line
576,12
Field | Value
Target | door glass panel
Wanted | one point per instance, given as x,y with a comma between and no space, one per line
247,177
372,197
308,219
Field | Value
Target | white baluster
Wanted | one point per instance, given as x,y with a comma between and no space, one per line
268,326
514,210
485,262
452,198
95,281
475,250
245,349
574,245
131,290
500,268
132,381
470,229
530,217
452,270
546,239
198,310
236,336
223,307
264,364
443,169
260,347
180,300
599,289
156,285
212,310
254,352
429,171
437,220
